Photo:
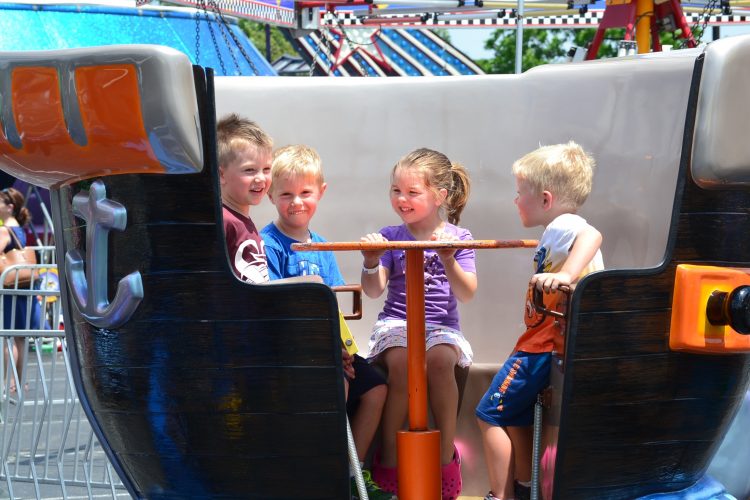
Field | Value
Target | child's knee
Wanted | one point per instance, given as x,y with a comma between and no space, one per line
376,395
441,368
395,362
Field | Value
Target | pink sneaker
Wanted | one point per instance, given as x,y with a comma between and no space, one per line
385,477
452,477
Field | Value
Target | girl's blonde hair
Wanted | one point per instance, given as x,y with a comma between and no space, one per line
439,173
296,160
565,170
233,130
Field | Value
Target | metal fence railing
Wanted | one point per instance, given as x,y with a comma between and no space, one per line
47,447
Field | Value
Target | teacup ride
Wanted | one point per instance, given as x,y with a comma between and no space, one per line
199,385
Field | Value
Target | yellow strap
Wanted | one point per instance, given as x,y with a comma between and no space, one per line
346,336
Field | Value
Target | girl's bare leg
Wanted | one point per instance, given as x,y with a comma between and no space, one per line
396,403
498,454
19,358
441,385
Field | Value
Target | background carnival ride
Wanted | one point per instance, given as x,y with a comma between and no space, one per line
325,34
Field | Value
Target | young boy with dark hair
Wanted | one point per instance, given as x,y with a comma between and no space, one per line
244,151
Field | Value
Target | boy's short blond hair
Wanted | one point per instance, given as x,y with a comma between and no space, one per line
233,131
296,160
565,170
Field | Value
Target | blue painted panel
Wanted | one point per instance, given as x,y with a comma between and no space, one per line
38,27
441,52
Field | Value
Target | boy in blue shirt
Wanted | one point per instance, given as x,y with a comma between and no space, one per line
297,186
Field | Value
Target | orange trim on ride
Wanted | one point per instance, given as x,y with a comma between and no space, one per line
110,106
419,471
336,246
690,329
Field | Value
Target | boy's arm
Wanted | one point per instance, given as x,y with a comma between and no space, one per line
584,249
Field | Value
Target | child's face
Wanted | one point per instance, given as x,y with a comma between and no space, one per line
530,204
411,198
246,180
296,199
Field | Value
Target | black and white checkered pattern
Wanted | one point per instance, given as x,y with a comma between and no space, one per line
257,11
282,16
588,20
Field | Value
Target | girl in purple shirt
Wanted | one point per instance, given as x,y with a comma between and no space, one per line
426,189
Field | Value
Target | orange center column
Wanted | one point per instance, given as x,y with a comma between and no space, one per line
418,448
644,11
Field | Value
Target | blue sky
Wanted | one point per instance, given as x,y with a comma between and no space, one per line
471,40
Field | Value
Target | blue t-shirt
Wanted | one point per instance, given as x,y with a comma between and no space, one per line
283,262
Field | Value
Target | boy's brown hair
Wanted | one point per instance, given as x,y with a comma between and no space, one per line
565,170
233,130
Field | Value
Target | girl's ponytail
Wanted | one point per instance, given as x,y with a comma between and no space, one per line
23,217
458,195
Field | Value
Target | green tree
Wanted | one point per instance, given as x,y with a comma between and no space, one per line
543,46
540,47
256,32
608,48
442,33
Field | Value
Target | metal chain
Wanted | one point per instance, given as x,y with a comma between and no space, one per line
216,44
198,35
365,73
316,50
705,14
228,29
329,52
315,58
223,30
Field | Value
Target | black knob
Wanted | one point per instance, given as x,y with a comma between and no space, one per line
731,309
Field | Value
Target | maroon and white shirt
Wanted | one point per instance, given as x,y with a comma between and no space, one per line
245,246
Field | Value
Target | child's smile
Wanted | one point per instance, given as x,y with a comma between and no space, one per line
296,199
411,198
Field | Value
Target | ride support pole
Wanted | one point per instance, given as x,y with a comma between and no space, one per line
418,448
644,11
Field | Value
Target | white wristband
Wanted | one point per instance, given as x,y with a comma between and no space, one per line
373,270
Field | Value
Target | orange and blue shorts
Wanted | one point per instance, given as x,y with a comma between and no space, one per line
510,399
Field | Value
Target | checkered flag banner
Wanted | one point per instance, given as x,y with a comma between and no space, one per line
589,19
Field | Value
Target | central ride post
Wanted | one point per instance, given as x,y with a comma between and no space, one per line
419,447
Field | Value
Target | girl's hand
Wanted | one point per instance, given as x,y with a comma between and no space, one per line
463,284
445,254
549,282
372,257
